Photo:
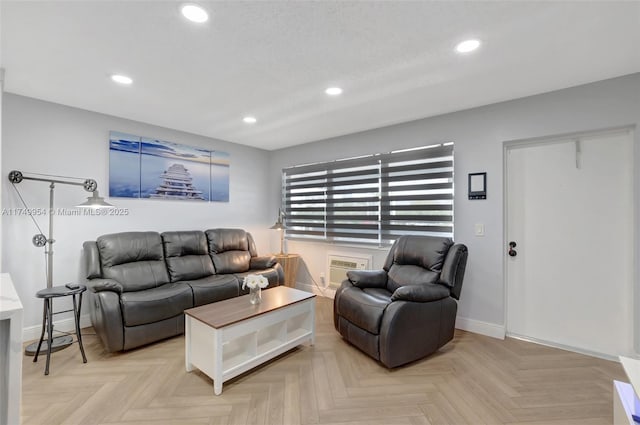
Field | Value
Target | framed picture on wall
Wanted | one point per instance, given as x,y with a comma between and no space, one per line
141,167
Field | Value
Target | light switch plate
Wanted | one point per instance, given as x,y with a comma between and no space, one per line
479,229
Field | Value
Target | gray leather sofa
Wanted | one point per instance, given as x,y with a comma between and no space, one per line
140,283
408,309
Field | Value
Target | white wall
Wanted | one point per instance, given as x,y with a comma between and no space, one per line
479,135
48,138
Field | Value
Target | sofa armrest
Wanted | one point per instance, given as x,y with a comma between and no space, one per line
368,278
262,262
422,293
91,259
106,318
99,285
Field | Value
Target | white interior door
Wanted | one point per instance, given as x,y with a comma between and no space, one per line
570,213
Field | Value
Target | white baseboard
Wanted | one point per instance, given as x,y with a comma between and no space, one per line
571,348
480,327
65,325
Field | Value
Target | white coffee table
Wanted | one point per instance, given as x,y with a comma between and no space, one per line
230,337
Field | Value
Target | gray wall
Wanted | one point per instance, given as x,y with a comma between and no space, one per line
44,137
479,135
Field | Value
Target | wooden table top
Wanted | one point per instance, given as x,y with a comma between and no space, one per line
286,255
227,312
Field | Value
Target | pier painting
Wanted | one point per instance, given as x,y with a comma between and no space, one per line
142,167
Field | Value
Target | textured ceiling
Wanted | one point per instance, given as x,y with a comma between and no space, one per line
273,60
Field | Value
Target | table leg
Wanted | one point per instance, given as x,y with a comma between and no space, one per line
217,387
50,332
217,362
187,343
313,322
76,314
44,325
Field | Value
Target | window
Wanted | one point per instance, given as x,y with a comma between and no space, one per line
372,199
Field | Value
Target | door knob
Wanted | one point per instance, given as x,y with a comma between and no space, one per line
512,252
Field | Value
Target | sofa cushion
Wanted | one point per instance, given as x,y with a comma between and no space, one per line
364,307
213,288
231,262
128,247
181,243
222,240
138,276
409,275
422,293
135,259
428,253
155,304
189,267
187,255
229,250
263,262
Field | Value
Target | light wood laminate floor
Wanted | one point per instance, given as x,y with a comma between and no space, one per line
473,380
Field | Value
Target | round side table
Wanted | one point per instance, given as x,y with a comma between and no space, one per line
48,295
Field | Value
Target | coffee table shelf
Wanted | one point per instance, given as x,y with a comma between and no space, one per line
230,337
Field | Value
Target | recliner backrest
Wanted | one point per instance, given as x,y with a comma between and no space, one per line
135,259
453,269
187,255
231,249
416,259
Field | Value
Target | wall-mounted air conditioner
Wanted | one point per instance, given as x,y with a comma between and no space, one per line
338,264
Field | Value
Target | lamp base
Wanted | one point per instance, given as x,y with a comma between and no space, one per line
59,343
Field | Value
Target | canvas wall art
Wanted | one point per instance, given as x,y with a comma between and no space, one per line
141,167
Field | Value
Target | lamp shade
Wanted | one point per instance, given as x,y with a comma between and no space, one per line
279,226
95,201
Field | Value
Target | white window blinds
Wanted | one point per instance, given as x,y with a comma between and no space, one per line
372,199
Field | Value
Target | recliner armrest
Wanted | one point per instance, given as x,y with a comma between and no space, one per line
420,293
368,278
262,262
99,285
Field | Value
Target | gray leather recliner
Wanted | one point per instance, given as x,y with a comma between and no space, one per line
407,310
140,283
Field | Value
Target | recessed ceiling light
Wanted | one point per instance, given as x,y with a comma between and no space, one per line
467,46
250,120
121,79
333,91
194,13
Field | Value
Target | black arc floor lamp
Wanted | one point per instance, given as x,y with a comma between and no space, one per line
94,201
